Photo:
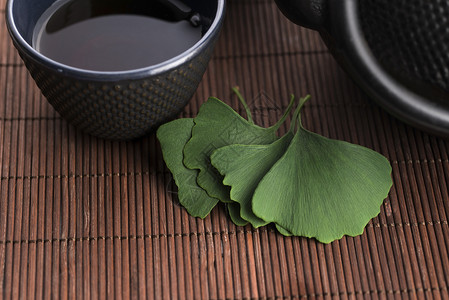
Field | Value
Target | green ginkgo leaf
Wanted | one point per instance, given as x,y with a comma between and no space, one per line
283,231
234,214
243,167
173,136
218,125
323,188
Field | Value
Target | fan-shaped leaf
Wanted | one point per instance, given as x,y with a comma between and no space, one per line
323,188
173,136
234,213
218,125
243,167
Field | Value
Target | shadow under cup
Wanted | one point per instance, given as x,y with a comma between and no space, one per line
118,104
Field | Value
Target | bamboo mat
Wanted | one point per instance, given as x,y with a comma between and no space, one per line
82,217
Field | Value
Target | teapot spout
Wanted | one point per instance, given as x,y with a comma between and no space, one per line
308,13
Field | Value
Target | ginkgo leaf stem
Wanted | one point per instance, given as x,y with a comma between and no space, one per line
285,115
245,105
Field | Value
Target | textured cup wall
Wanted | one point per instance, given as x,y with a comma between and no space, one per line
122,109
410,38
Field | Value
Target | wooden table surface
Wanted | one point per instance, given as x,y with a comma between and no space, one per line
82,217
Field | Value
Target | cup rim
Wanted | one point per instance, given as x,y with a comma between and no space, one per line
139,73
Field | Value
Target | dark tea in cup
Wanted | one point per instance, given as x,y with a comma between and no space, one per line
116,35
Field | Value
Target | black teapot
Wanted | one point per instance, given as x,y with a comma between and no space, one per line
397,51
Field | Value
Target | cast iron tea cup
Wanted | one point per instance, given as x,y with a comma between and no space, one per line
115,104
